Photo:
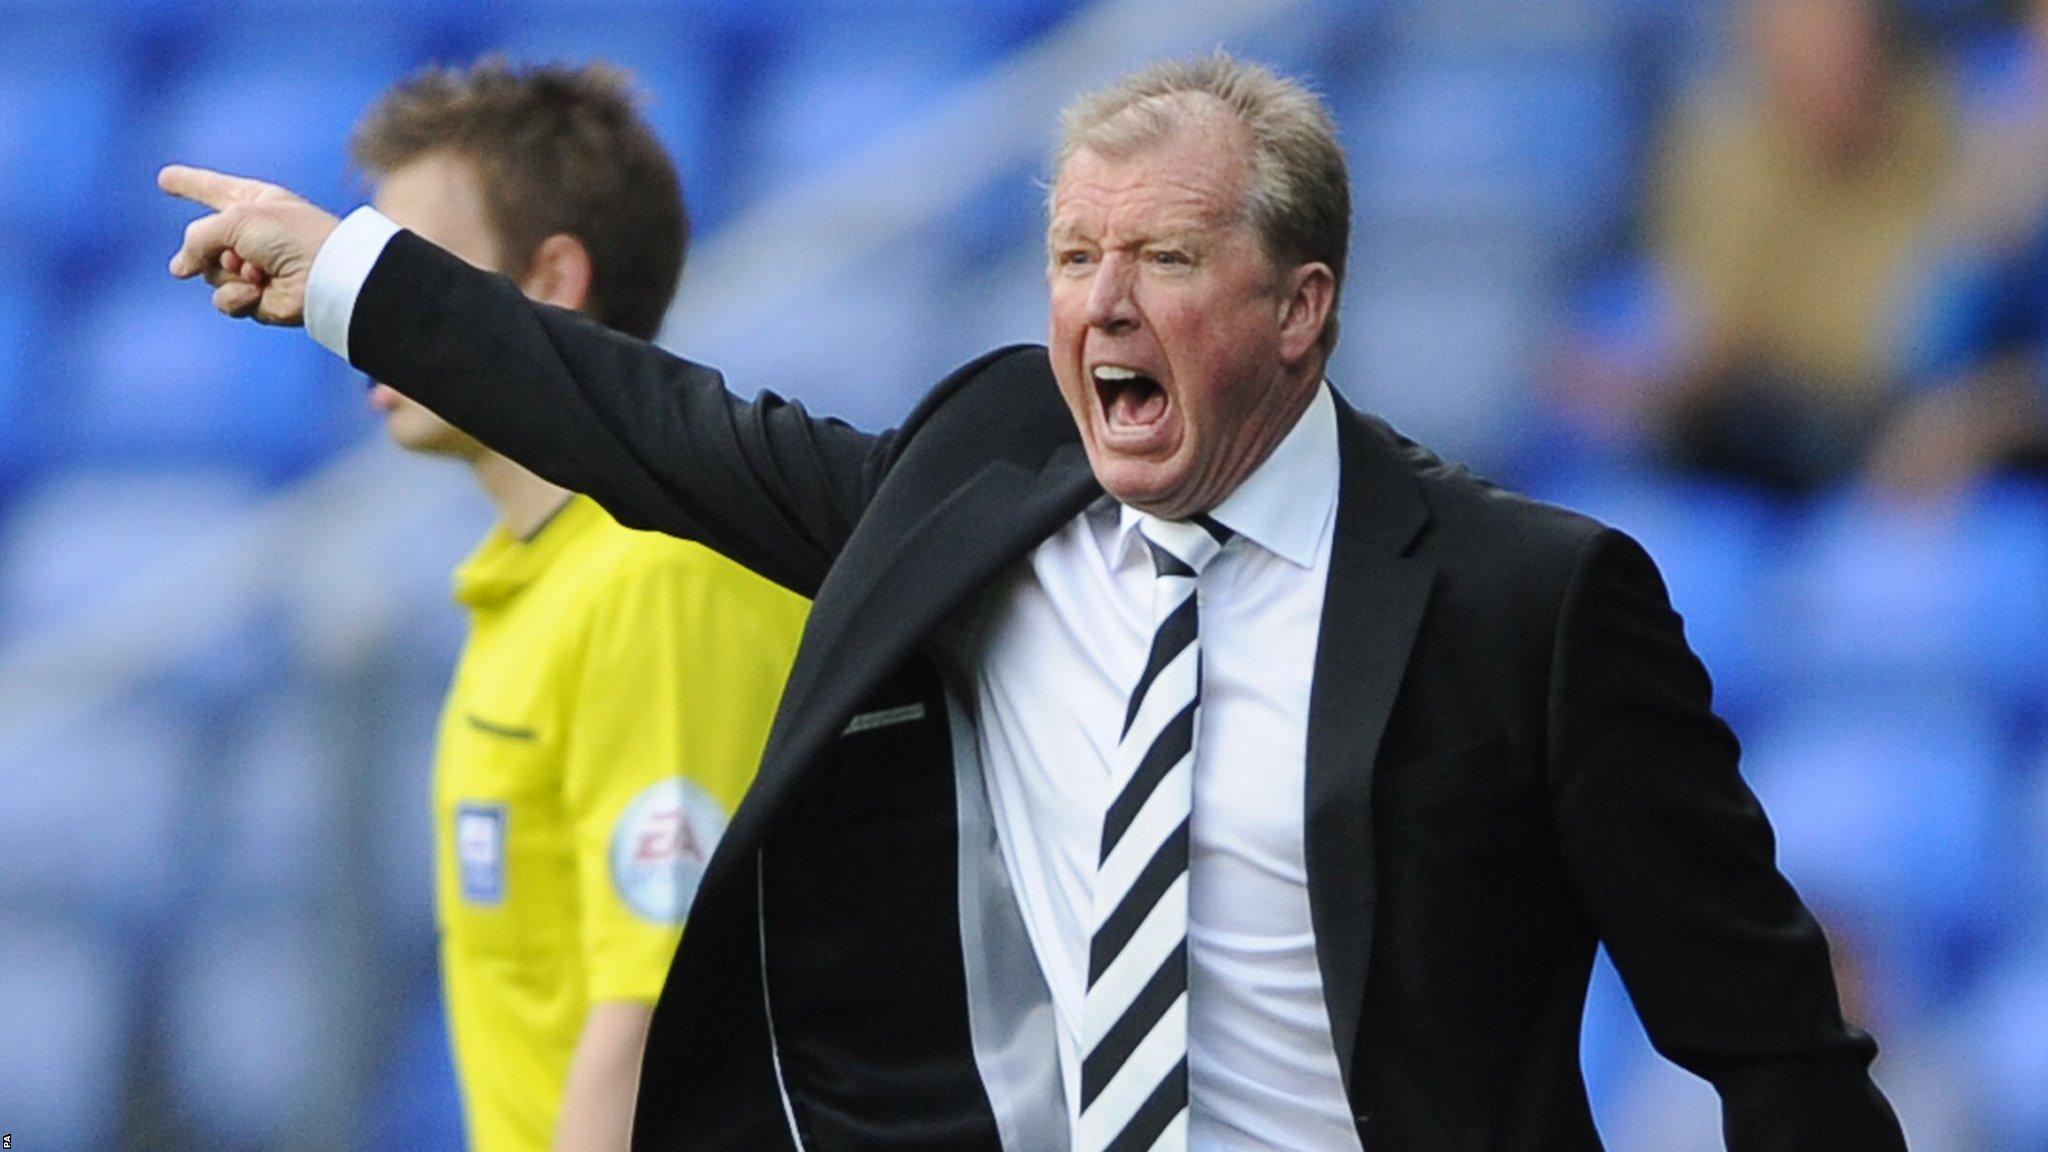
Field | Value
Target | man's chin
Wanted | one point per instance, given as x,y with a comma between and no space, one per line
1153,486
427,441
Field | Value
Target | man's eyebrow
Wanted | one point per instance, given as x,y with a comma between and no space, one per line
1185,233
1062,229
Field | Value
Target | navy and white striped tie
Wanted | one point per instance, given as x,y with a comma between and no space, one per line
1134,1016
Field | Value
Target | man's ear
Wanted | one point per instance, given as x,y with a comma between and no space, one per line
560,273
1311,292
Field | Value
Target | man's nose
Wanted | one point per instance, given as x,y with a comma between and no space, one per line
1110,303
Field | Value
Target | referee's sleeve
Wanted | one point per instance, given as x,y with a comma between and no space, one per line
684,666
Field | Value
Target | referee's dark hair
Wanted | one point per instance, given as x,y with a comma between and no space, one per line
556,149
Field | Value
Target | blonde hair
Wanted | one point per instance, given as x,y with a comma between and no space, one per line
1299,194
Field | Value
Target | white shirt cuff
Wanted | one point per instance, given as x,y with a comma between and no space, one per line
339,269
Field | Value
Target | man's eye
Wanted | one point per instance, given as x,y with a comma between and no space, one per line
1073,257
1169,256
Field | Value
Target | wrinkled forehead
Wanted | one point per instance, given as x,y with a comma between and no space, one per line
1194,175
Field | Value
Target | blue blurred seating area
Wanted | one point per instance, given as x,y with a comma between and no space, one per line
215,919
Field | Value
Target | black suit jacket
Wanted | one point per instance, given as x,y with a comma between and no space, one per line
1511,757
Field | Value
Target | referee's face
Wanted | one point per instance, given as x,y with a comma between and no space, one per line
1184,354
436,196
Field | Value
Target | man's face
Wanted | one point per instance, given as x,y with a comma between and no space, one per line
436,196
1170,333
1825,64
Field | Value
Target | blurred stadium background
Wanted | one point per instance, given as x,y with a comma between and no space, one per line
224,619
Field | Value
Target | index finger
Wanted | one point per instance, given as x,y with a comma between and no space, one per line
215,190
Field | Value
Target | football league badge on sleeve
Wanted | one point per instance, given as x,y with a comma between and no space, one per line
662,842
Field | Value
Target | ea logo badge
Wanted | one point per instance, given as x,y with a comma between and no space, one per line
659,849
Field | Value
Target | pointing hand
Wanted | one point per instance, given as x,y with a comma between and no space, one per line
256,247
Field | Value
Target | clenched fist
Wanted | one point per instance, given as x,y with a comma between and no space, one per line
256,248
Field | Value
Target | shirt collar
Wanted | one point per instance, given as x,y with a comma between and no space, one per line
504,564
1284,505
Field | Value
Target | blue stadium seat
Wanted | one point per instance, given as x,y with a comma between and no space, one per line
1692,41
2029,833
1324,46
2005,545
820,92
1005,18
80,536
399,849
22,326
1610,1039
1665,1108
413,1105
272,98
276,842
414,664
1943,18
1889,812
94,814
1543,141
417,17
1445,358
2005,1049
274,125
62,99
255,1008
1715,544
151,374
250,655
999,298
1004,21
67,1006
1994,73
684,64
1873,590
1004,216
1619,338
864,323
1639,1099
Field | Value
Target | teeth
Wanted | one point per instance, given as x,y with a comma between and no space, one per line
1113,372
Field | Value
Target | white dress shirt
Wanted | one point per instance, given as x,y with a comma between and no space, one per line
1048,657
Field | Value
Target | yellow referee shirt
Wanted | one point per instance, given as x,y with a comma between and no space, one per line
608,712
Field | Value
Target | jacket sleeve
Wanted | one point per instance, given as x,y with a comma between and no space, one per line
656,440
1673,859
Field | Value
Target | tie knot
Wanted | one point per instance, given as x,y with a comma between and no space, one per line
1182,547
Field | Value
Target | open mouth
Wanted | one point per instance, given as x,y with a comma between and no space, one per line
1129,398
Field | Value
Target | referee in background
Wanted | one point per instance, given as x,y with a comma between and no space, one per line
616,687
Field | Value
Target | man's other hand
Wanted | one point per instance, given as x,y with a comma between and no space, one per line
257,246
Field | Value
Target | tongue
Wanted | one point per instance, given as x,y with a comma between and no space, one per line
1137,404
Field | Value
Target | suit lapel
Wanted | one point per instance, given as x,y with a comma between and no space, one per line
1371,610
894,593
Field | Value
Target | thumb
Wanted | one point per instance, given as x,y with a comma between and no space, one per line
215,190
205,240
